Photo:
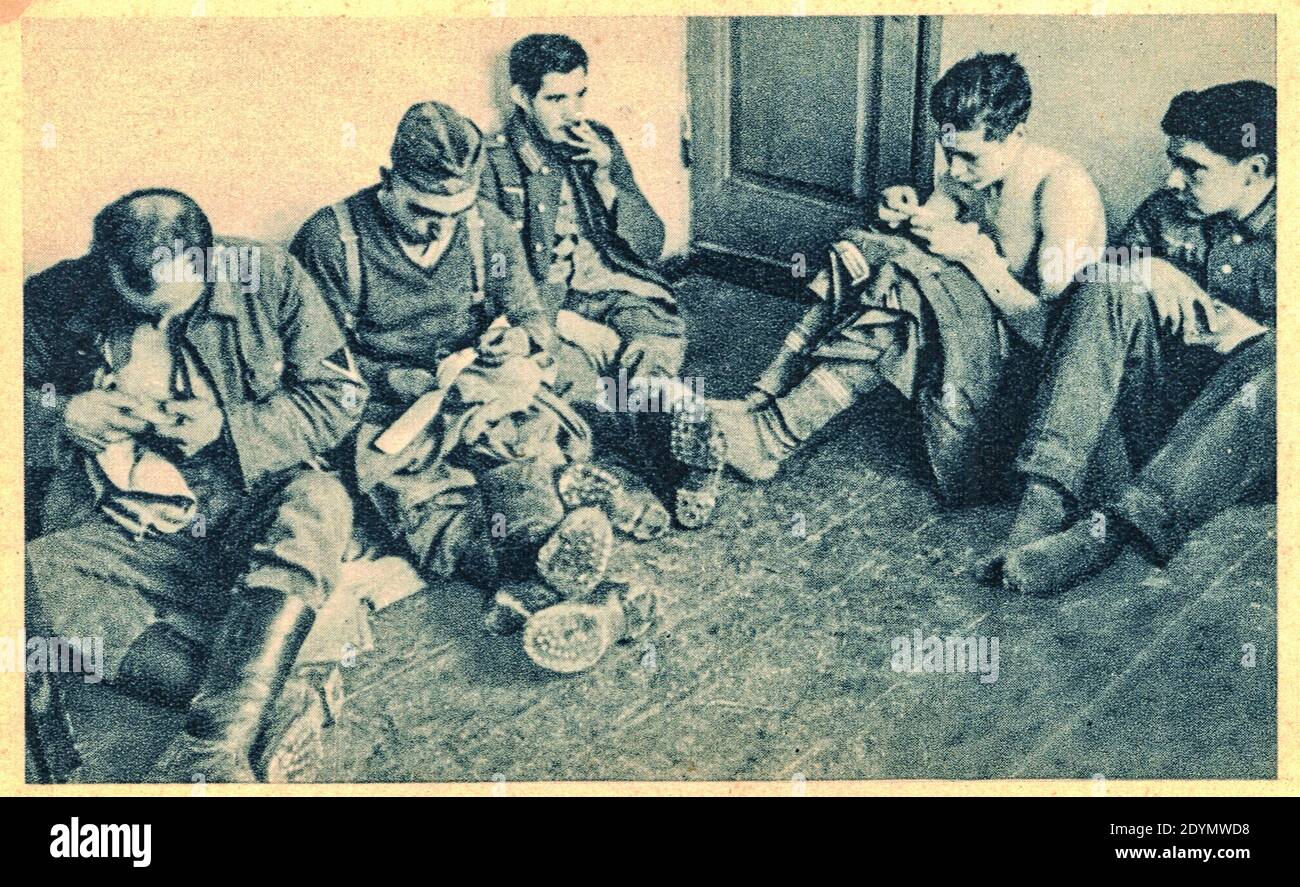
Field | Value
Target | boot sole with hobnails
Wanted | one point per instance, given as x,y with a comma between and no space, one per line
574,559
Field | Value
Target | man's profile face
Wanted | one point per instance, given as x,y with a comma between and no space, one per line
1207,183
409,210
560,103
978,162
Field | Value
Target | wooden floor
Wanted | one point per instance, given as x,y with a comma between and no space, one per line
772,660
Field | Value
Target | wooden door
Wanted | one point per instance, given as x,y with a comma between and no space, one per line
796,123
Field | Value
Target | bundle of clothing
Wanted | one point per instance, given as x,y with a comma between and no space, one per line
490,474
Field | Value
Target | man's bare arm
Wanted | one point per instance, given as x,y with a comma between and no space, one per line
1073,235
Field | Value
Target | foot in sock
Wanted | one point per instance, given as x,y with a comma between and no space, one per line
1057,562
748,453
1042,512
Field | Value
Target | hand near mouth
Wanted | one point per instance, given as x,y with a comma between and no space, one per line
591,146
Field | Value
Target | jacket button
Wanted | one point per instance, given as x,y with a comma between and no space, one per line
519,225
541,207
1237,239
546,170
537,247
1226,269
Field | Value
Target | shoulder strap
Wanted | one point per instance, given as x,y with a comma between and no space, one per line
509,179
352,258
474,227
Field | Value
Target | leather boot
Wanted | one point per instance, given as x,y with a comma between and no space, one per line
250,660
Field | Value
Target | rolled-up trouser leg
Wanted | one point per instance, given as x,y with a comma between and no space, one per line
1107,350
1223,447
790,364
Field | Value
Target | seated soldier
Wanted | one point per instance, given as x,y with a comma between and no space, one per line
180,404
460,444
593,246
1178,373
951,315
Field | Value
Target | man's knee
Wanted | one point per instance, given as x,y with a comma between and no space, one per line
1107,296
322,500
597,342
66,599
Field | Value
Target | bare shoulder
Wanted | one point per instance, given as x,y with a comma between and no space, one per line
1060,173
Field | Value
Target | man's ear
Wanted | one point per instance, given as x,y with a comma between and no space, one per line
1257,167
520,98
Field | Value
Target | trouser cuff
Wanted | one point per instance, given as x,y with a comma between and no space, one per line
1148,514
1062,470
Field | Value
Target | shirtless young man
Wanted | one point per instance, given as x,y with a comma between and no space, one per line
1015,222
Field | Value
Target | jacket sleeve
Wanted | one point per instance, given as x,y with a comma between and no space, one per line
510,281
320,397
49,371
635,220
319,251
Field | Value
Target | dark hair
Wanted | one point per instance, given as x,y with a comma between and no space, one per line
537,55
1235,120
129,229
989,90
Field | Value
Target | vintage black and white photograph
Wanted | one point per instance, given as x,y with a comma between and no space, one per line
620,398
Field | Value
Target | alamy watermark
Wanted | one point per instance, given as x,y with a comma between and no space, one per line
1085,263
83,656
652,394
241,265
954,654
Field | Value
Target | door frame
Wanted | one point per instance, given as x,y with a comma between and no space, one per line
708,44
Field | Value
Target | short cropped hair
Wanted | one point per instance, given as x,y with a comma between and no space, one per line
989,90
131,228
537,55
1234,120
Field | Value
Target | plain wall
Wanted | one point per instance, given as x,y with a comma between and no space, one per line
252,117
1102,83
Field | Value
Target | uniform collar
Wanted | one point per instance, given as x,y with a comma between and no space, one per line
526,143
1263,218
